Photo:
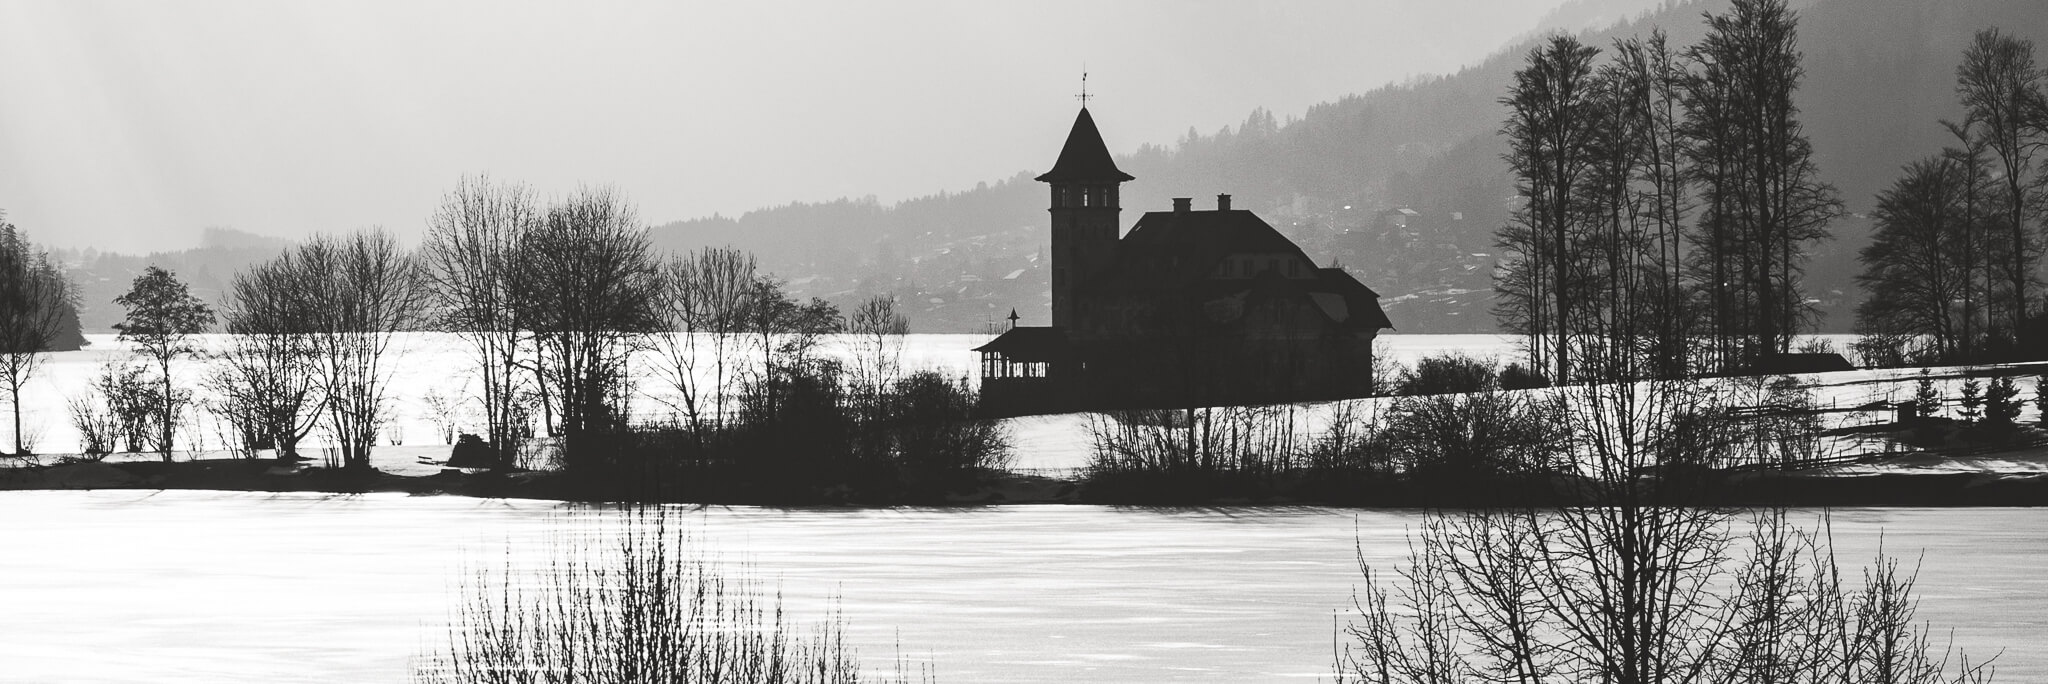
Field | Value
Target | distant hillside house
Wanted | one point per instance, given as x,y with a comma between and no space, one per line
1190,308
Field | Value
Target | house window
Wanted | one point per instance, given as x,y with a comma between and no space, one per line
1293,268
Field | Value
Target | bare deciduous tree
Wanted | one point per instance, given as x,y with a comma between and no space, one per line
471,255
1550,130
2002,89
264,380
875,336
163,316
357,292
589,294
1918,263
1762,201
786,333
704,305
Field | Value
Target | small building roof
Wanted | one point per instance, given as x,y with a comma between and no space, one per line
1085,159
1029,344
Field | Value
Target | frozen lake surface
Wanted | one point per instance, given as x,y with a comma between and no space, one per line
137,586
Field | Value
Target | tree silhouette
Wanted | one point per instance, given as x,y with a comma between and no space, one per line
36,302
161,320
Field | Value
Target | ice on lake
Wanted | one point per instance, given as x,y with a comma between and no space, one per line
133,586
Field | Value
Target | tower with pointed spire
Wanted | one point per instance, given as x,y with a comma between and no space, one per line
1191,308
1085,213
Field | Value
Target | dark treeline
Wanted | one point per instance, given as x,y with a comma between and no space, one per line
556,303
1672,201
1954,269
569,315
38,313
1461,433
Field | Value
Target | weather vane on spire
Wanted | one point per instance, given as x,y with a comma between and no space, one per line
1083,97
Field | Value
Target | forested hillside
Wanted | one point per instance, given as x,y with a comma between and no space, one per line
1879,75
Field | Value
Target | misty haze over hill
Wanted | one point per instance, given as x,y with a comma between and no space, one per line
1880,73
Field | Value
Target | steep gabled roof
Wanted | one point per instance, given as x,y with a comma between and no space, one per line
1173,253
1362,304
1173,249
1085,159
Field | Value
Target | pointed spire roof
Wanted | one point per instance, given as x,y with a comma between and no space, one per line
1085,159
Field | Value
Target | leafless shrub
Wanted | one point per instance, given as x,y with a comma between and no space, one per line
1352,439
641,606
1474,436
443,411
98,427
1232,439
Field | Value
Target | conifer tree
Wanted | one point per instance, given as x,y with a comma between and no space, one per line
36,305
1925,399
2001,402
1973,400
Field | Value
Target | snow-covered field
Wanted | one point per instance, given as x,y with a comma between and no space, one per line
429,364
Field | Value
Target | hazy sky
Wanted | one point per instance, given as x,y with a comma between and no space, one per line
132,125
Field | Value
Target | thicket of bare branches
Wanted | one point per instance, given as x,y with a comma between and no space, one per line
1638,588
643,605
1531,597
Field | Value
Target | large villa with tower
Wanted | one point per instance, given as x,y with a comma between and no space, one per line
1192,307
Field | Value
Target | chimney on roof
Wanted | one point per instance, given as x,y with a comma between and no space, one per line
1182,205
1223,203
